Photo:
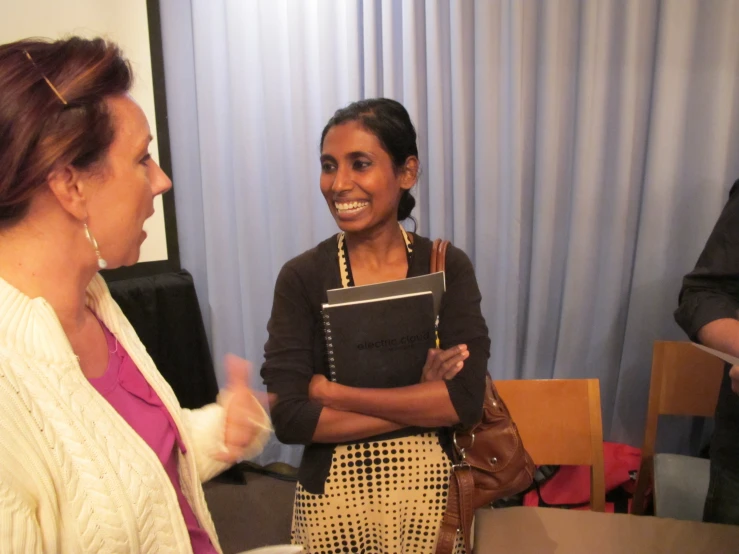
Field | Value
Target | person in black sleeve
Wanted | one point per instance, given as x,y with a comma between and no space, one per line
708,312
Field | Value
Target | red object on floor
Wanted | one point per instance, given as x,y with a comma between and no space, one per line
570,486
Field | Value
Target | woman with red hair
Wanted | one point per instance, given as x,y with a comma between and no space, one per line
96,454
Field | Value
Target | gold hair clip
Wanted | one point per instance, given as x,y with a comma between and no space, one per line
52,87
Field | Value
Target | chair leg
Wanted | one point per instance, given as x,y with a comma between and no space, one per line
597,490
643,479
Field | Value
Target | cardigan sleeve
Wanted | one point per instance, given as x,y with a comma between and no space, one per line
461,322
289,359
711,290
19,527
206,428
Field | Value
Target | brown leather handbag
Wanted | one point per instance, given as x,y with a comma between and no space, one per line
490,460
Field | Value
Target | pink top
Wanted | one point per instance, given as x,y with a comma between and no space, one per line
130,394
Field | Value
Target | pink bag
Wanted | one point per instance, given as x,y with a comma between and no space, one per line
570,486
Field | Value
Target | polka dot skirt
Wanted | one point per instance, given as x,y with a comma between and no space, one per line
384,497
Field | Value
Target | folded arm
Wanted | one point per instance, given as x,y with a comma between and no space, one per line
290,359
437,403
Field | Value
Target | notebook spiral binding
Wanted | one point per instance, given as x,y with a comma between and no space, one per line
329,346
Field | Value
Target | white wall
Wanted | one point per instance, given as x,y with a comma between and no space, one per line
123,21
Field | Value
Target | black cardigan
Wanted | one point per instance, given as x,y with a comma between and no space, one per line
295,349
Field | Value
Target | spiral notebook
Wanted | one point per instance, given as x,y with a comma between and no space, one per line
434,282
381,342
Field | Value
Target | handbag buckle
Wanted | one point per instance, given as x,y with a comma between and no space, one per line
459,449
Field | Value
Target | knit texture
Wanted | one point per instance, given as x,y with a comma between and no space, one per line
74,476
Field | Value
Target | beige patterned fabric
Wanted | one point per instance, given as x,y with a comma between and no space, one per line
380,497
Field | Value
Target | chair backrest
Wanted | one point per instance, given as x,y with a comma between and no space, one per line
560,423
685,381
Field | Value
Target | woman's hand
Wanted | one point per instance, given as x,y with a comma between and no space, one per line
244,416
444,364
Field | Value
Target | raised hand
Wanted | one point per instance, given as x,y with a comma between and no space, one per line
244,415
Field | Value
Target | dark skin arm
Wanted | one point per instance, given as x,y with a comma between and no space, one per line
351,413
335,426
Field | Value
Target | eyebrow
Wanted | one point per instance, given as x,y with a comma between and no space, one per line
351,155
145,143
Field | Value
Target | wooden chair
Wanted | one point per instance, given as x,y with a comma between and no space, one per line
560,423
685,381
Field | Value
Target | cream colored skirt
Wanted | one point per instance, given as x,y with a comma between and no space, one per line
384,497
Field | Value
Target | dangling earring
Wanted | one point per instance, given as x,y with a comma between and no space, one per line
102,264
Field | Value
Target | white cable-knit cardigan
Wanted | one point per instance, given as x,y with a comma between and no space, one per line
74,476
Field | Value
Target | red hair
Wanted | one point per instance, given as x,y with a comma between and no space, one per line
38,131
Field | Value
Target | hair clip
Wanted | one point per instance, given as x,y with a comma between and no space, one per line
52,87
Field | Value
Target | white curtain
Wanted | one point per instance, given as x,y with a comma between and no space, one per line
579,152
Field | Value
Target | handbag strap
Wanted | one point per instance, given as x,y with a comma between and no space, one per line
459,513
438,255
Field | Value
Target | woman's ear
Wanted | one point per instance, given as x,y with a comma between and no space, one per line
409,175
68,187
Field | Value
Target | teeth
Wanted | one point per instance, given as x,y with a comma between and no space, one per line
345,206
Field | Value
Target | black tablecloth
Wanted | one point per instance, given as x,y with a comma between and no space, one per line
164,311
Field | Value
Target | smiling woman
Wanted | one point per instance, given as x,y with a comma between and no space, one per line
360,181
377,461
386,132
